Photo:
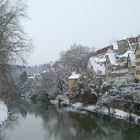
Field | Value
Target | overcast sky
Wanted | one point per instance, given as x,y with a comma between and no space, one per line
56,24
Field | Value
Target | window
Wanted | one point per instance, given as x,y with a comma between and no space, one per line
137,63
138,72
138,48
109,67
137,55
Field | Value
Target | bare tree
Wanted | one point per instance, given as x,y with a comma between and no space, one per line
76,58
14,45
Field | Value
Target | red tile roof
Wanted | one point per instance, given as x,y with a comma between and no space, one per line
103,50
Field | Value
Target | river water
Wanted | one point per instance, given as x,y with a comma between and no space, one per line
42,122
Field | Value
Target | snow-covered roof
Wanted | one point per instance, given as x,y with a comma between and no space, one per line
38,74
100,59
115,46
126,53
98,65
112,57
43,72
74,75
31,77
132,58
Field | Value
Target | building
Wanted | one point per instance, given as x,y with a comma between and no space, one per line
110,65
138,38
132,40
72,80
131,64
103,51
115,48
137,61
123,46
96,66
118,60
122,66
126,44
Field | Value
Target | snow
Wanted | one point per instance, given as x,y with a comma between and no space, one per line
54,102
117,113
72,109
90,107
115,46
132,58
113,72
98,65
120,113
64,99
74,76
117,64
43,72
60,100
59,97
126,53
3,113
112,57
131,54
100,59
31,77
65,102
77,105
37,75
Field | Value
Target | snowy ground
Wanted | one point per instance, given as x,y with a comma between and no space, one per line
3,113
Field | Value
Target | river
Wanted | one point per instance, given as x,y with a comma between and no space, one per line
42,122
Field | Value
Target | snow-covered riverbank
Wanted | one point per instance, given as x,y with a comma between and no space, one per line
3,113
115,113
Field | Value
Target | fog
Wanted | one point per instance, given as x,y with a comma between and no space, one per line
56,24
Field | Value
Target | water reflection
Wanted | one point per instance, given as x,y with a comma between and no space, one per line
42,122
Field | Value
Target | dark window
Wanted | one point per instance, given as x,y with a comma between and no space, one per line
138,72
137,55
138,63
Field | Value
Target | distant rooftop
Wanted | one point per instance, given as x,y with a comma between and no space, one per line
115,46
103,50
112,57
126,53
